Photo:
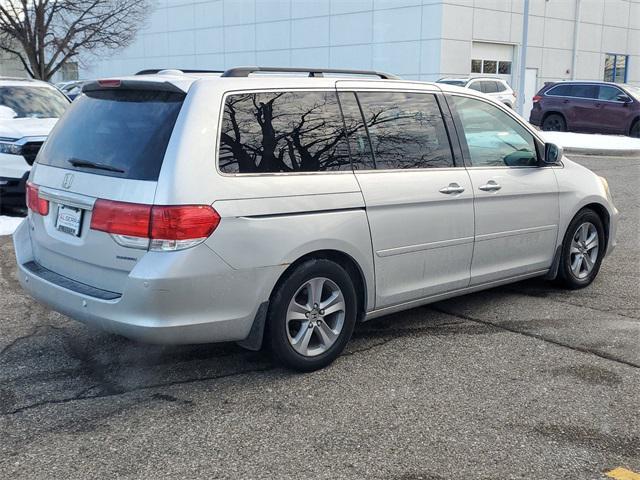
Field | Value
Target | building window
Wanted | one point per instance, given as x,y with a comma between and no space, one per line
615,68
476,66
489,66
504,68
69,71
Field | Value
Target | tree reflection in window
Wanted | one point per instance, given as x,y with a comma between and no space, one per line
282,132
406,130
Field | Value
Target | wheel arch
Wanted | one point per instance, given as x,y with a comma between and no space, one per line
554,112
341,258
604,216
256,335
634,120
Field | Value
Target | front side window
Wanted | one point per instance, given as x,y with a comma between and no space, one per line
608,93
494,138
32,102
406,130
271,132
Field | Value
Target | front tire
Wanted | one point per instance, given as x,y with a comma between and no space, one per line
635,129
312,315
554,123
582,250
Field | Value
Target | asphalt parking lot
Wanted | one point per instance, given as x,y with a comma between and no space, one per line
523,381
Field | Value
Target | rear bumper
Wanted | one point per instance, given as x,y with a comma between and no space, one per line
184,297
535,116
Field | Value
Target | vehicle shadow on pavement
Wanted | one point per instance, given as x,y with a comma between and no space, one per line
61,361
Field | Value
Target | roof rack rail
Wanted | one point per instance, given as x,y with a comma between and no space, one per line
313,72
153,71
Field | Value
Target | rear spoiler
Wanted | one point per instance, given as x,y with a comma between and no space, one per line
114,84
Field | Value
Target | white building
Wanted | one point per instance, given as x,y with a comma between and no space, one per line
416,39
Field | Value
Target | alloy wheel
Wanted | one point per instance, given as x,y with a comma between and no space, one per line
315,317
584,250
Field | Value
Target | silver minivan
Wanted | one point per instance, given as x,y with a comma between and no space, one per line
286,206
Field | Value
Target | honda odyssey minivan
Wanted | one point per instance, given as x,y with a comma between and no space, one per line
282,206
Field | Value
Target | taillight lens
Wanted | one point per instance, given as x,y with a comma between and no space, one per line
184,222
34,202
536,98
121,218
156,227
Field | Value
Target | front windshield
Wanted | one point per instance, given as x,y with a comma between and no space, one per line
635,91
33,102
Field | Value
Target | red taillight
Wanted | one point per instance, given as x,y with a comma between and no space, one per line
110,83
536,98
121,218
34,202
156,222
183,222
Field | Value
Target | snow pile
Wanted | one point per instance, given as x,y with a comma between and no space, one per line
9,224
591,141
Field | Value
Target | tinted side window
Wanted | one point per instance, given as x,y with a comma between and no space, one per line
476,86
282,132
493,137
406,130
359,144
500,87
609,93
489,87
560,91
584,91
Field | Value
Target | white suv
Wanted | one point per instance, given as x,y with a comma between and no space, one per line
28,111
496,88
178,208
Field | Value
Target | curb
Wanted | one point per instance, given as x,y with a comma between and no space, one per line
601,152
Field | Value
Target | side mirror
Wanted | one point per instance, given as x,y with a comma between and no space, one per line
623,98
552,154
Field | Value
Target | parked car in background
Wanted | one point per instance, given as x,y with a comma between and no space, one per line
177,208
71,89
28,111
590,107
494,87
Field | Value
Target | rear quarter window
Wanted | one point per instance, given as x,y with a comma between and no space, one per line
279,132
122,133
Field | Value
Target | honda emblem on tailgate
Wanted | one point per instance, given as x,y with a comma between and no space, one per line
68,180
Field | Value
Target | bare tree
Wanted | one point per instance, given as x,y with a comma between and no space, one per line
46,34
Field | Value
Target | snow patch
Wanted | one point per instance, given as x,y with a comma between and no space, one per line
9,224
592,141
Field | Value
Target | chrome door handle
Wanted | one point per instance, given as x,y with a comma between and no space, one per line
491,186
452,188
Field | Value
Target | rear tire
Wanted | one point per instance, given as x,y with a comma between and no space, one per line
311,316
582,250
554,123
635,129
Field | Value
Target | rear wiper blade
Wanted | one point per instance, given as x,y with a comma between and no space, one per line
76,162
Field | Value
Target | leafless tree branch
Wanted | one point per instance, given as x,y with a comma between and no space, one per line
46,34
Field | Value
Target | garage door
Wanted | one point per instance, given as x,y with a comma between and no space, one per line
493,59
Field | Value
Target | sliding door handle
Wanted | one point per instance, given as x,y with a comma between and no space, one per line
452,188
491,186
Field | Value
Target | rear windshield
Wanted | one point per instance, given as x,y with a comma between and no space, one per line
120,133
32,102
458,83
